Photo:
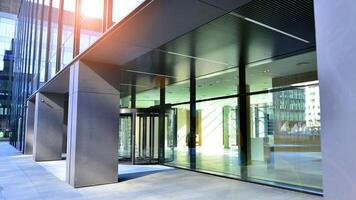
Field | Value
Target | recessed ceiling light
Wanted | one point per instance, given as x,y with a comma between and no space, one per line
302,63
266,71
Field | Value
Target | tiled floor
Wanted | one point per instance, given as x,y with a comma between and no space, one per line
22,178
294,168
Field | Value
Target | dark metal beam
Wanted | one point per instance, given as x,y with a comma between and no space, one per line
161,123
192,117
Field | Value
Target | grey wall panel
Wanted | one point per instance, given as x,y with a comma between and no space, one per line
336,50
29,127
93,111
48,126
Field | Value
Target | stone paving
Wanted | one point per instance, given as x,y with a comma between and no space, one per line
21,178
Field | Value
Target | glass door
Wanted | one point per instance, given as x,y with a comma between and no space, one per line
146,137
125,136
138,135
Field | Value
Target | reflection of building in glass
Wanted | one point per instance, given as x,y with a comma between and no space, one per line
7,30
312,108
289,111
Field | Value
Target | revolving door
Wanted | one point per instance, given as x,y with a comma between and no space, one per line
139,135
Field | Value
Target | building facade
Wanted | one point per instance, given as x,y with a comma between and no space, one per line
7,27
229,88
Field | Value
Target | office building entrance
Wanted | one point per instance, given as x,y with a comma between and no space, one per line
139,135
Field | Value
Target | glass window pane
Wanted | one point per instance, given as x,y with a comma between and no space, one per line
285,137
91,22
217,136
282,72
122,8
67,32
53,42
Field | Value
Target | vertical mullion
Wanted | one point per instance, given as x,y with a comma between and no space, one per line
34,45
40,44
161,121
243,111
76,40
59,35
192,116
109,21
49,24
103,25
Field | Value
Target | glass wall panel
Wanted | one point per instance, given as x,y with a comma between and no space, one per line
37,22
147,99
67,32
7,32
122,8
217,136
91,22
32,31
46,13
285,122
285,137
54,36
283,72
180,155
178,92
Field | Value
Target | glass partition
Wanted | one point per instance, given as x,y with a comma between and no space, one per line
179,141
285,137
217,137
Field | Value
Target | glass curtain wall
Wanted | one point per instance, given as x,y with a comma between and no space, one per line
285,122
122,8
44,40
36,45
67,32
53,38
282,120
91,22
7,32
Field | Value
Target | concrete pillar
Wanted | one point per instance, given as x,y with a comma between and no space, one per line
336,50
48,122
29,127
93,119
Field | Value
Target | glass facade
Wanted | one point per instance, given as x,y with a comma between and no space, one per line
282,124
67,33
45,43
256,120
7,31
91,24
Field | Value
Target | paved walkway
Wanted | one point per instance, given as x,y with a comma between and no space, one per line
22,178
